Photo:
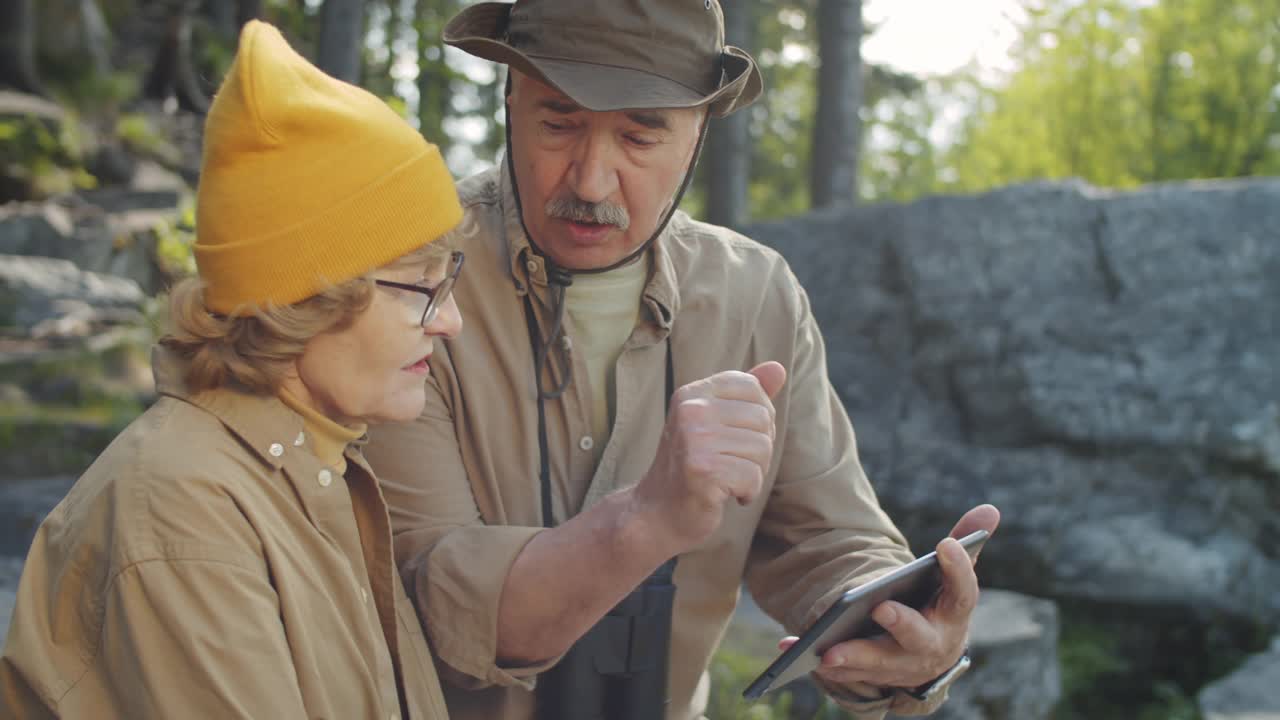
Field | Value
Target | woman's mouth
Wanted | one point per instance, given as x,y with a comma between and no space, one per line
422,367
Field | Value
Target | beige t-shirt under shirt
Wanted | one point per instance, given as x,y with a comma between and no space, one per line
602,310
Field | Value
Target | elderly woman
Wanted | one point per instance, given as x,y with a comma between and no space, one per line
229,555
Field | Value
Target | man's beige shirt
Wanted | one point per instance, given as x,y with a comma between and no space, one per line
208,565
463,485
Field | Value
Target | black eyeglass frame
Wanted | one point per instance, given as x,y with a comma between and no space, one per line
437,295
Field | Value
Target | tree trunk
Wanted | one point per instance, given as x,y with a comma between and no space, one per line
837,128
97,37
247,10
173,73
433,73
221,18
341,33
17,46
727,173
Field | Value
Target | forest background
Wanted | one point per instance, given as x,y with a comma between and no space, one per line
1118,93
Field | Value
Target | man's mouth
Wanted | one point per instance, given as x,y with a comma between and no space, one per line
589,231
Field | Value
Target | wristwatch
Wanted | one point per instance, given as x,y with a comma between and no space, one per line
939,684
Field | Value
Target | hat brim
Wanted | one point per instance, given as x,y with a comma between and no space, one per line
478,30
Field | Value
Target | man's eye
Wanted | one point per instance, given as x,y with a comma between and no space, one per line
641,141
556,127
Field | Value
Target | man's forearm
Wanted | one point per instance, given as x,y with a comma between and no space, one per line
568,577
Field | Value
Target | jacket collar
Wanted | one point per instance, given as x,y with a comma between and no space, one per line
261,422
528,268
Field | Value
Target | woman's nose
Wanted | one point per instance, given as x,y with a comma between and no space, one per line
448,320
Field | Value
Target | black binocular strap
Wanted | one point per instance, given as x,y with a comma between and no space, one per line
544,464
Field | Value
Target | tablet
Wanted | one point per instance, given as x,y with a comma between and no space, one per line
915,584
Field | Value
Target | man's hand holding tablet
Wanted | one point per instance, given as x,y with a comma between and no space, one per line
905,630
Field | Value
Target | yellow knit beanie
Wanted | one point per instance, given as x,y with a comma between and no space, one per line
307,182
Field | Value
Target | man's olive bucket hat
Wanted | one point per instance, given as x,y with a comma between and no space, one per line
615,54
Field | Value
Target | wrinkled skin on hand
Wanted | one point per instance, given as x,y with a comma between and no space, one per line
717,445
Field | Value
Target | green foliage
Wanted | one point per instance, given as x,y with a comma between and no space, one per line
1099,682
901,158
782,121
214,53
1170,703
43,440
96,95
732,671
298,21
138,134
39,158
82,378
1123,663
1116,92
175,240
1121,94
1087,654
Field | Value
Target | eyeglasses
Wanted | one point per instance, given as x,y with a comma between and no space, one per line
428,300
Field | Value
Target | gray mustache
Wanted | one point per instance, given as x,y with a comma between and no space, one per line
576,210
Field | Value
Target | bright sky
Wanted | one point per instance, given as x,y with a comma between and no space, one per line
938,36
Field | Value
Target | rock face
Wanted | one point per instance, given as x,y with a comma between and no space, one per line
112,232
1102,366
22,105
43,294
10,571
1013,641
23,506
1247,694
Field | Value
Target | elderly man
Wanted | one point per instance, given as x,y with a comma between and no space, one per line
628,372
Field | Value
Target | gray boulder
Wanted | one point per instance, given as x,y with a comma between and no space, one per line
1100,365
10,572
42,229
116,237
23,506
45,296
1250,693
17,105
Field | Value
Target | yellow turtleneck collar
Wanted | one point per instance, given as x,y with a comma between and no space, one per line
325,438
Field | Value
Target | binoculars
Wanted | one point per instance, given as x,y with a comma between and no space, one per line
618,669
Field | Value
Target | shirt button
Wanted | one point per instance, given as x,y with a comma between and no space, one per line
276,449
326,478
531,266
586,443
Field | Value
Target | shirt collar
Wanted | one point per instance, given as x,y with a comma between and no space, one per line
262,422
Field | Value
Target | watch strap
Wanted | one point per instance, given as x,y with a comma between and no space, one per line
925,692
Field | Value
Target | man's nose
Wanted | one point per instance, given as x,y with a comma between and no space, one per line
594,177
